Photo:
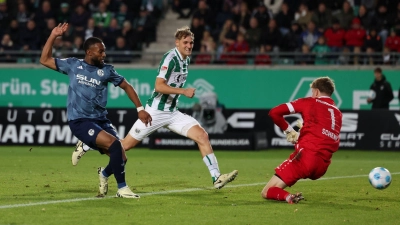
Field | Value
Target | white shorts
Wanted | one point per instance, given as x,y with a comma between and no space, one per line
175,121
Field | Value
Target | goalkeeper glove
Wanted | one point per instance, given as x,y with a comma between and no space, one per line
299,124
291,135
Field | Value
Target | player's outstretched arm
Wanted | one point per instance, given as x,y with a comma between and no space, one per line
46,59
162,87
133,96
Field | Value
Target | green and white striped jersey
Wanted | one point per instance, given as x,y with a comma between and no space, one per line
174,69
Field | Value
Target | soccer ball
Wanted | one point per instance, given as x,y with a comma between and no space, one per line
372,94
380,178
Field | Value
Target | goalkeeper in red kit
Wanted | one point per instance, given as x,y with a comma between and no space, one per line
314,144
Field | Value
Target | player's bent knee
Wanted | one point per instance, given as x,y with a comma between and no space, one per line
203,138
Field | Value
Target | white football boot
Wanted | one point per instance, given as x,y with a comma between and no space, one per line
223,179
125,192
103,185
78,153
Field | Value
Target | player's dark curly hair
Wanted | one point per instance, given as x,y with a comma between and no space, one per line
91,41
324,85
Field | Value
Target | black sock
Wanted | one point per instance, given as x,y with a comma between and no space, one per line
117,163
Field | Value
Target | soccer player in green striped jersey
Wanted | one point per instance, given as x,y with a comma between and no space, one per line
169,86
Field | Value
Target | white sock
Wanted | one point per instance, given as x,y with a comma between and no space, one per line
86,148
211,162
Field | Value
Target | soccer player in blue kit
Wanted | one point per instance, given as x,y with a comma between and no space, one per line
87,98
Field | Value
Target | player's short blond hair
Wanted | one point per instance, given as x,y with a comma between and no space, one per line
183,32
324,85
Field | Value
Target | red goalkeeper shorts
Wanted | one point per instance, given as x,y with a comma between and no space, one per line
301,165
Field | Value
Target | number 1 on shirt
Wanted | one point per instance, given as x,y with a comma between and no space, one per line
332,118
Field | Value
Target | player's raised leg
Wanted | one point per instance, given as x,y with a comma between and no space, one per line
200,136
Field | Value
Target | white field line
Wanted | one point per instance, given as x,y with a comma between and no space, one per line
163,192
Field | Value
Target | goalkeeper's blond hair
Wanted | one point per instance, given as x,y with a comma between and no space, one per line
183,32
324,85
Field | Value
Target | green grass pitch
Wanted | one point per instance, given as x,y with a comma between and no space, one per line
40,186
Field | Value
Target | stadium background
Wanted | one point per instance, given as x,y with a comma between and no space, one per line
248,57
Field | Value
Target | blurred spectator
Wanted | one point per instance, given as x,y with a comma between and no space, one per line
322,18
207,42
134,39
179,5
5,17
77,45
222,16
335,36
68,38
111,33
392,43
382,21
204,14
303,16
228,34
389,4
369,4
253,34
122,15
154,7
273,5
345,16
382,89
271,38
305,58
292,41
198,30
51,23
372,44
29,37
14,32
242,17
320,50
365,17
239,49
284,18
79,20
262,15
125,55
92,30
354,38
64,14
23,15
262,58
310,35
58,48
145,26
6,45
43,14
103,17
204,57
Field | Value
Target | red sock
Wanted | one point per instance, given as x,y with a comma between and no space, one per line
276,193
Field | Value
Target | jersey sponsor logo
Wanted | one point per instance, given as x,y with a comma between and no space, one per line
87,81
180,78
303,90
100,72
91,132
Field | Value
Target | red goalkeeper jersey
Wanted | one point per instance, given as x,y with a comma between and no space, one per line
321,126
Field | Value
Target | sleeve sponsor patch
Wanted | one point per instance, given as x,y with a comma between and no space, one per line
163,68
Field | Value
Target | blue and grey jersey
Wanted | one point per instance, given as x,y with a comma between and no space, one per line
88,87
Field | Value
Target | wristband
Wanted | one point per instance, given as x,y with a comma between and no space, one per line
140,108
